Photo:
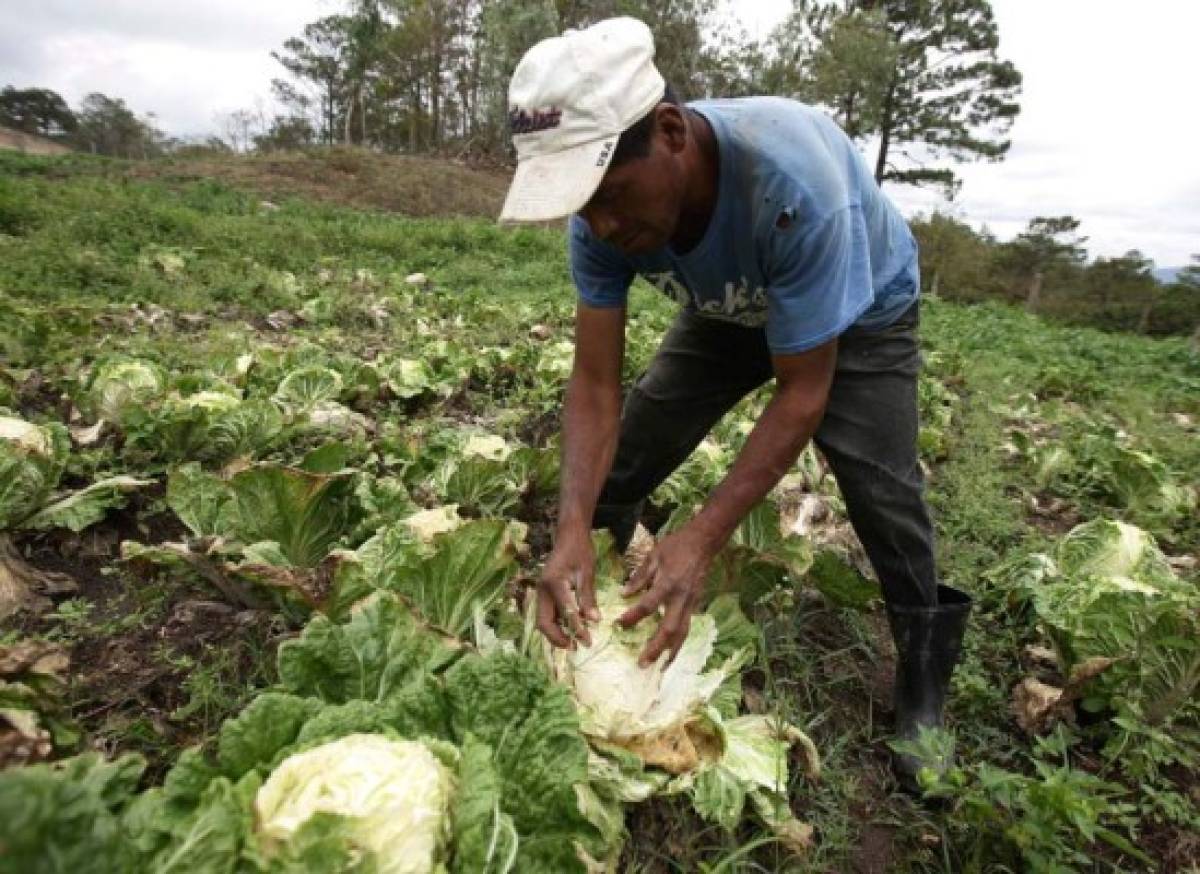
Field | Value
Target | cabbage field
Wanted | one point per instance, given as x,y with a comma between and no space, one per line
275,480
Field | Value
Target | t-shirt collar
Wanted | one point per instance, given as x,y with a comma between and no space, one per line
724,188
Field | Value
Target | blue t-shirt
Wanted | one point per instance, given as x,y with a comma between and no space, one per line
801,241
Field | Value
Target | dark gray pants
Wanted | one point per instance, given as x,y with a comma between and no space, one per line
868,435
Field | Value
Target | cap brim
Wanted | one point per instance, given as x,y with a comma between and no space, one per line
553,186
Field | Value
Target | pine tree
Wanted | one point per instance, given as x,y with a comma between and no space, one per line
1048,242
921,76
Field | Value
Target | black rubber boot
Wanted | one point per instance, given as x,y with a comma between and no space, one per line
928,645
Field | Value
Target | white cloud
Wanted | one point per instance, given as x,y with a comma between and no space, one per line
183,62
1104,133
1109,138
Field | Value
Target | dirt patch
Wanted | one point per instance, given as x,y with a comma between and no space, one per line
876,850
30,144
665,836
358,178
848,665
461,406
135,690
880,672
540,512
541,430
37,396
879,842
499,383
1176,847
1050,515
154,665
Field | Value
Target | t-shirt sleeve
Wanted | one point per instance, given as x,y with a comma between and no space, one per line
820,281
601,275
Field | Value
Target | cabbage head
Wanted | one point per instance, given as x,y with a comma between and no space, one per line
427,524
490,446
305,388
393,797
212,401
119,386
1115,550
409,378
658,712
32,458
1110,593
671,729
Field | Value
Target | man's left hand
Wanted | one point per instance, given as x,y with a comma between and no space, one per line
671,577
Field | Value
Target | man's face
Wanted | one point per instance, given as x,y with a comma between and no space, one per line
636,208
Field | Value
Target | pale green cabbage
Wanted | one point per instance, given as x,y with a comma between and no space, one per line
427,524
32,458
490,446
332,416
25,436
620,701
557,359
120,386
1108,592
212,401
307,387
1116,550
395,796
408,378
670,729
654,712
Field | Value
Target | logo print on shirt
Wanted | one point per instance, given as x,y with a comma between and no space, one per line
671,287
740,305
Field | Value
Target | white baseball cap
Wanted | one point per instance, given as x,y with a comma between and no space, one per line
570,99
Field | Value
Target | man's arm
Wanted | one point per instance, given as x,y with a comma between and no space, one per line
591,424
674,572
780,435
591,415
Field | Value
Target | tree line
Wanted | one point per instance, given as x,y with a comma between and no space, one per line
921,80
1045,269
101,124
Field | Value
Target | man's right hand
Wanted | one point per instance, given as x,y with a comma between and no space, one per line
566,592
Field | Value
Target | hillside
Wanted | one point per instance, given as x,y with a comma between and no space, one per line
414,186
29,144
276,492
346,177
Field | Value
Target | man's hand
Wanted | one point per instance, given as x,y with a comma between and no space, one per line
566,592
672,577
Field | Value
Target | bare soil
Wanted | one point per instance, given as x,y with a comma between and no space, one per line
30,144
130,664
876,849
359,178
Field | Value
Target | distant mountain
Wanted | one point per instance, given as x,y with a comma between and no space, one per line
1166,275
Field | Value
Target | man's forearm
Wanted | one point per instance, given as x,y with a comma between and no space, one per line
591,424
782,432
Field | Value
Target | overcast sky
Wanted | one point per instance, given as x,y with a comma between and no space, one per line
1105,132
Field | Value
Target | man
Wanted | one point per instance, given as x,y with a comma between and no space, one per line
759,217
